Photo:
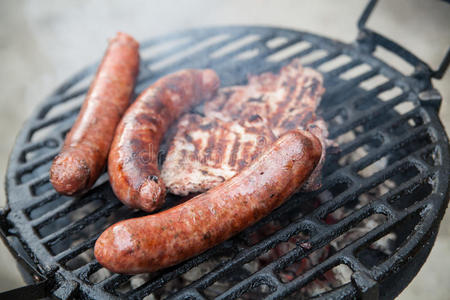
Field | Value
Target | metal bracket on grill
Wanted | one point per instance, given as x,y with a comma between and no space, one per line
368,289
41,286
33,291
369,39
66,290
14,247
431,98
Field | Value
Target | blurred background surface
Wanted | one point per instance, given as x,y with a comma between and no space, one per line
42,43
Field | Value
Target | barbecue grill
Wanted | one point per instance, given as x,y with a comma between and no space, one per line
392,150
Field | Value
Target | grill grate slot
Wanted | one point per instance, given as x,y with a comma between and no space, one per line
371,255
395,60
315,56
62,234
99,275
220,256
163,49
41,187
35,150
412,194
276,42
179,59
356,232
52,222
230,49
414,141
322,285
334,63
47,204
300,47
72,104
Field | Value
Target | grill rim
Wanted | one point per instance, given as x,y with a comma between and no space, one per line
434,122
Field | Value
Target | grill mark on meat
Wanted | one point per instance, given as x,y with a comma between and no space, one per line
221,150
183,155
224,97
281,107
209,148
314,87
279,102
246,151
301,95
234,151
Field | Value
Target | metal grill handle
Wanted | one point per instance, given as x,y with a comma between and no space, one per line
372,38
38,289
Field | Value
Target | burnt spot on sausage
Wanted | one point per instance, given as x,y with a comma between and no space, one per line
207,236
301,94
147,118
175,83
307,143
256,215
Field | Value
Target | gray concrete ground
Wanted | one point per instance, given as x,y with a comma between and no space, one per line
44,42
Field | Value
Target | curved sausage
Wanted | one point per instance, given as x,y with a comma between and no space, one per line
83,156
153,242
133,159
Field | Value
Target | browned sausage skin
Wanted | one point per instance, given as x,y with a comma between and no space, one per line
164,239
133,159
83,156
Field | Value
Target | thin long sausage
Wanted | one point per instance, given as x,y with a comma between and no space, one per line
153,242
133,159
83,156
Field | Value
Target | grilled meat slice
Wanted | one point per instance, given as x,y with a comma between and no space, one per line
207,150
284,101
287,101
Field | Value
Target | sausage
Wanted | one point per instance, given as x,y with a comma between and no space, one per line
133,159
83,156
157,241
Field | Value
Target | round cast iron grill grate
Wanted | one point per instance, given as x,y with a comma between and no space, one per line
393,151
